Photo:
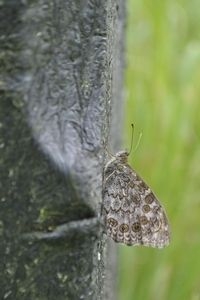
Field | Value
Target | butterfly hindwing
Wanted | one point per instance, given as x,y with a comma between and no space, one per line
133,215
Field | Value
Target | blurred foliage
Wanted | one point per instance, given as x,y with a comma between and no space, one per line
163,101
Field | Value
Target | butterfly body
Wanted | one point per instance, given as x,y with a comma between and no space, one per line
133,214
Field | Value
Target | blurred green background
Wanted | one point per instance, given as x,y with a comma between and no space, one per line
163,101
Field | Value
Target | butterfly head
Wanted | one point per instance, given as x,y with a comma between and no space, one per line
122,156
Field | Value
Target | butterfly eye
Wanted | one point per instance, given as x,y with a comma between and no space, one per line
123,228
149,198
112,222
146,208
143,220
136,227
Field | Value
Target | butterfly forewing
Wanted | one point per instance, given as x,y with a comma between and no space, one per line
133,215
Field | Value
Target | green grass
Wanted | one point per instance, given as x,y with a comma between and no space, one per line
163,101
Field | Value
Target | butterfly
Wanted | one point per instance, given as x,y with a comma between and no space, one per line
133,215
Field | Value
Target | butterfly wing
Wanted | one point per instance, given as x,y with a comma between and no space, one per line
133,215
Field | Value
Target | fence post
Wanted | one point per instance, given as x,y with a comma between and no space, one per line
61,81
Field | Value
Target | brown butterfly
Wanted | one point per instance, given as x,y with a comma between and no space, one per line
133,214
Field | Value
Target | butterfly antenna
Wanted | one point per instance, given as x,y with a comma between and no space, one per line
131,147
138,142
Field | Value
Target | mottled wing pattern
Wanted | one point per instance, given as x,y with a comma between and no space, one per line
133,215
